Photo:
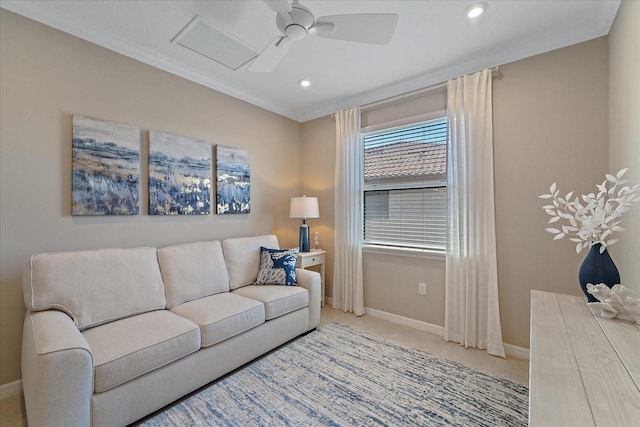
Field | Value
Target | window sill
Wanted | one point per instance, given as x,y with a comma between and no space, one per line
404,252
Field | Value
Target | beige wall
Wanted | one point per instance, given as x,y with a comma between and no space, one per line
318,163
624,130
391,286
550,124
404,107
46,76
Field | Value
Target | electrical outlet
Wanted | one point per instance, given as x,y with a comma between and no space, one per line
422,288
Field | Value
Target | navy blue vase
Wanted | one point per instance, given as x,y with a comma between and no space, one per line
597,268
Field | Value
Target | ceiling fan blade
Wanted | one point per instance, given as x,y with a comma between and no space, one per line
321,28
373,28
279,6
271,55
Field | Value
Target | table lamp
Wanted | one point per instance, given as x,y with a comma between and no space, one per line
304,207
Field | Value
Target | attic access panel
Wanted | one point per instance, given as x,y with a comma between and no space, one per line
215,44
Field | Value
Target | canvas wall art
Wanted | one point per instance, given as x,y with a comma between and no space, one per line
105,168
179,175
232,179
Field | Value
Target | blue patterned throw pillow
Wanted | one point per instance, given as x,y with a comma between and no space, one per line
277,267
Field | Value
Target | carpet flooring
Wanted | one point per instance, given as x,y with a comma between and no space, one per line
339,376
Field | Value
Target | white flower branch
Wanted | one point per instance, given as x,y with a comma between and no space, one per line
592,218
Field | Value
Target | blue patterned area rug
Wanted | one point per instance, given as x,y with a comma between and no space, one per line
339,376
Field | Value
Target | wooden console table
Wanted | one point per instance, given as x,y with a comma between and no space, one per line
584,370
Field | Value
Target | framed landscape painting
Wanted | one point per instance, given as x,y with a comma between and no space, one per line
105,168
179,175
232,179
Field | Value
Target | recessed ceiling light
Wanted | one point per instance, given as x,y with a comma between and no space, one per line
304,83
476,9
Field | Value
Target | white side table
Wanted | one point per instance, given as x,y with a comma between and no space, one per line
309,259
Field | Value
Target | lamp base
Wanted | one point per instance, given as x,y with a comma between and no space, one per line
304,237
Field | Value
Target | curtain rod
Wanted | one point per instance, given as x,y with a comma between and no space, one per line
495,73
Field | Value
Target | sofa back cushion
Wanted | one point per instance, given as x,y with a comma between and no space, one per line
242,255
192,271
96,286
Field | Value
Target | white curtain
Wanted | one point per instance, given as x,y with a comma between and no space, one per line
472,316
347,273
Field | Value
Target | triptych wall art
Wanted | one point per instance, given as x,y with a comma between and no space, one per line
106,168
106,172
179,175
232,166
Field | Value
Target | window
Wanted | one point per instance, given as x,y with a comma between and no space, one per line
405,199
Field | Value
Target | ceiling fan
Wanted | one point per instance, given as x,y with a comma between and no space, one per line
296,22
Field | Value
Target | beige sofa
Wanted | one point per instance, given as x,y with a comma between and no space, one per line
112,335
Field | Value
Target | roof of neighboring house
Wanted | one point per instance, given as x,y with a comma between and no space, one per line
403,159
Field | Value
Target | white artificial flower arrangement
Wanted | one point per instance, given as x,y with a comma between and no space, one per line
592,218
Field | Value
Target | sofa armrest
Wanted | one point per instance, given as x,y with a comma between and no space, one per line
311,281
57,371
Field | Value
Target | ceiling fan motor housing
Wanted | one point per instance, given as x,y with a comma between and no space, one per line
296,23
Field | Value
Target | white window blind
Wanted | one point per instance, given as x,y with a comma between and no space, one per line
405,186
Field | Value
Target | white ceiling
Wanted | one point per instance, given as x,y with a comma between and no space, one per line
434,42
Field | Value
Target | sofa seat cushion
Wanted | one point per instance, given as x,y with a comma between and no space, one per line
277,300
131,347
222,316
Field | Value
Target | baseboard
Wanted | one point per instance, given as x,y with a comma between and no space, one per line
405,321
9,389
509,349
515,351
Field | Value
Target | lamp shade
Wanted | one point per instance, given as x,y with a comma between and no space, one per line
304,207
